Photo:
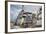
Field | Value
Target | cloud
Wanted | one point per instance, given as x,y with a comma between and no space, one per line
15,9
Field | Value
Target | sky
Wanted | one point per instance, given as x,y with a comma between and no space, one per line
15,9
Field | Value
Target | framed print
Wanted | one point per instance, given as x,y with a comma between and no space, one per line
23,16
